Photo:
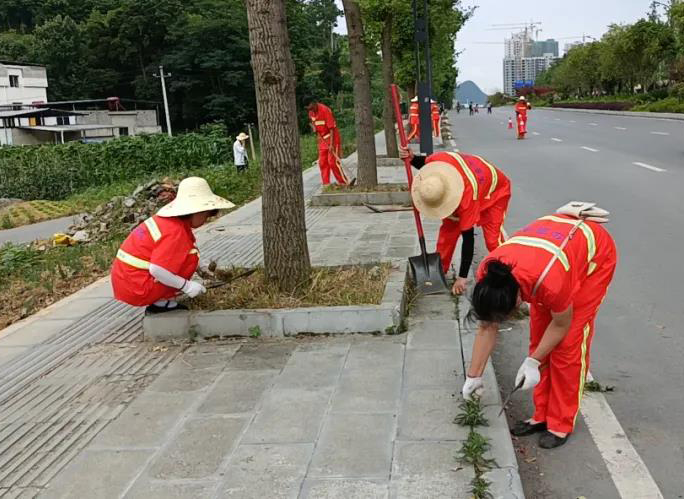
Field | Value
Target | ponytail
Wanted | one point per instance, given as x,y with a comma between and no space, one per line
495,296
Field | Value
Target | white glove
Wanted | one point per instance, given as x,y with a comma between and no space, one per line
472,386
583,209
193,288
529,372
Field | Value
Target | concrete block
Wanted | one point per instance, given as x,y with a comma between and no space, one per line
237,323
433,368
369,354
262,356
169,325
426,460
155,489
181,377
236,392
428,414
289,415
349,488
147,422
199,449
433,488
346,319
35,333
101,474
434,335
312,370
502,447
268,471
505,484
354,445
370,390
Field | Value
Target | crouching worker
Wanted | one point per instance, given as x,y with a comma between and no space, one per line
157,260
562,266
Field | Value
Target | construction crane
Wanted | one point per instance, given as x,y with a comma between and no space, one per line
531,27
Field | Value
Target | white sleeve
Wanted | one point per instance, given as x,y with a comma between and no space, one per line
166,278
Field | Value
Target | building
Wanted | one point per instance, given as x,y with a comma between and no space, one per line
27,118
524,59
568,46
546,47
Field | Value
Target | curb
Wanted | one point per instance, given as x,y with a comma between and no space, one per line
321,198
631,114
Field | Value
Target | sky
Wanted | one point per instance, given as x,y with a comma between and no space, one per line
482,63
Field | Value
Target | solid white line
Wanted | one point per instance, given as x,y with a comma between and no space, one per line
535,133
593,124
660,133
620,128
644,165
628,472
556,140
589,149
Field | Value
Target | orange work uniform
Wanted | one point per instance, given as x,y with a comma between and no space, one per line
434,110
484,203
579,277
521,108
164,241
329,144
414,121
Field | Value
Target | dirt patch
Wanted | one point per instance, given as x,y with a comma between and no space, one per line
336,188
327,286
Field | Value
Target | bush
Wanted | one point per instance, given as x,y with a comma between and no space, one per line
669,105
607,105
677,91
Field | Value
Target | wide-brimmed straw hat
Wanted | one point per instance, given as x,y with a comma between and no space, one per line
437,190
242,136
522,97
194,196
415,99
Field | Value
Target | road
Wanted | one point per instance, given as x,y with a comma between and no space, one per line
40,230
633,167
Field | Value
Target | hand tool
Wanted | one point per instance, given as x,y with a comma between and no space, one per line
375,209
223,283
508,399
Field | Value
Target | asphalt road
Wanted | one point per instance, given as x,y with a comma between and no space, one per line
40,230
634,167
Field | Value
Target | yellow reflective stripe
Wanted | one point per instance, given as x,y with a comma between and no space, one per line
194,251
495,176
536,242
588,233
153,228
467,171
320,122
131,260
326,136
583,371
452,218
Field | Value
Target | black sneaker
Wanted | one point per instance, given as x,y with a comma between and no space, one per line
156,309
523,428
548,440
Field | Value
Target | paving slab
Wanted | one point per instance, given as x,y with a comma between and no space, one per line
505,484
369,390
154,489
434,334
313,370
35,333
237,392
432,368
262,356
428,414
344,489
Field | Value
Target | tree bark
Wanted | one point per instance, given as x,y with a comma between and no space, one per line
286,253
367,174
387,79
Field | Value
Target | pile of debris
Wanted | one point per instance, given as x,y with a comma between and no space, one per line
122,214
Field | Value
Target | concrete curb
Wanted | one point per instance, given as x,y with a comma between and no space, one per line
632,114
360,198
384,318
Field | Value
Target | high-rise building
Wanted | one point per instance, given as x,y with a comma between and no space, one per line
540,49
524,59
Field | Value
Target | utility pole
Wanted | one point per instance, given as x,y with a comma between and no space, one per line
163,75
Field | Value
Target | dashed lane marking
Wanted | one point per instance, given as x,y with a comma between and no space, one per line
660,133
593,124
620,128
557,119
556,140
573,121
649,167
589,149
535,133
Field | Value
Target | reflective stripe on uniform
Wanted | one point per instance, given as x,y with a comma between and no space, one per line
153,228
588,235
536,242
319,122
468,172
495,176
452,218
131,260
194,251
583,370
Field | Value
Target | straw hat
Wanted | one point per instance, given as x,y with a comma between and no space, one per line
437,190
242,136
522,97
194,196
415,99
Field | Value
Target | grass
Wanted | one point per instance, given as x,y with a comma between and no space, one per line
473,451
327,286
595,386
357,188
28,212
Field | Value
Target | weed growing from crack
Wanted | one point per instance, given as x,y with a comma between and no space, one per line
595,386
471,414
474,448
480,488
473,452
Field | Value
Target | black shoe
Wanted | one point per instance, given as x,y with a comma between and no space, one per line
523,428
550,441
156,309
353,182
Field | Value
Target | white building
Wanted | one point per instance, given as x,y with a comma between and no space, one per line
519,67
22,84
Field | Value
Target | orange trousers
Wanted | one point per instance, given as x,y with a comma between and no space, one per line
435,127
559,392
491,221
327,162
522,125
414,133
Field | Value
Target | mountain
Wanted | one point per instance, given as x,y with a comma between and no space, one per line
469,91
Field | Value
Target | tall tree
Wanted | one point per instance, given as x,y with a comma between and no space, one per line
367,173
286,253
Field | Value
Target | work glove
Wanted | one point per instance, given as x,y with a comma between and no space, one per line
583,209
528,373
472,386
193,288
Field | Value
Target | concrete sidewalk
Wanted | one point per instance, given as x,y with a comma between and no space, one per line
88,410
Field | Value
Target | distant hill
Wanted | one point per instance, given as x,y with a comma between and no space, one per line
469,91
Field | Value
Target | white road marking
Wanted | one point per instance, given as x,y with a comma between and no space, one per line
660,133
556,140
535,133
557,119
573,121
628,472
593,124
649,167
589,149
620,128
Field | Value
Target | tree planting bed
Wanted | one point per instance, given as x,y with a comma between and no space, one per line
347,299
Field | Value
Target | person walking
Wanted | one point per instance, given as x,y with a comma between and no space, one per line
521,108
240,152
414,120
489,108
329,142
562,265
435,115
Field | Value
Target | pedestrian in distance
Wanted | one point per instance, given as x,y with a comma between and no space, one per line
458,107
562,265
414,120
240,152
156,262
461,190
329,142
489,108
470,108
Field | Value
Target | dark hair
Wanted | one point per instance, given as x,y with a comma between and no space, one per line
495,296
308,100
212,213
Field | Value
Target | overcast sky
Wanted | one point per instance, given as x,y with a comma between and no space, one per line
560,18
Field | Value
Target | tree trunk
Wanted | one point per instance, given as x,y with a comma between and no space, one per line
367,174
286,253
388,79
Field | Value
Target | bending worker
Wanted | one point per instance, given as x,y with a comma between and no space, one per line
463,191
329,142
561,265
521,108
157,260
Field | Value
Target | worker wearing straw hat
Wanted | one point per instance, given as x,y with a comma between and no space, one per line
414,120
240,152
157,260
463,191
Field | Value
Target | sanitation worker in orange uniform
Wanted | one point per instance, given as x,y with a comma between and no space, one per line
464,192
562,265
434,110
414,120
329,142
521,108
157,260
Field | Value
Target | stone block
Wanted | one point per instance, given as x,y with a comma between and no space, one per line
428,414
434,334
262,356
180,376
236,392
237,323
348,488
433,368
369,390
354,445
199,449
169,325
433,488
372,354
155,489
